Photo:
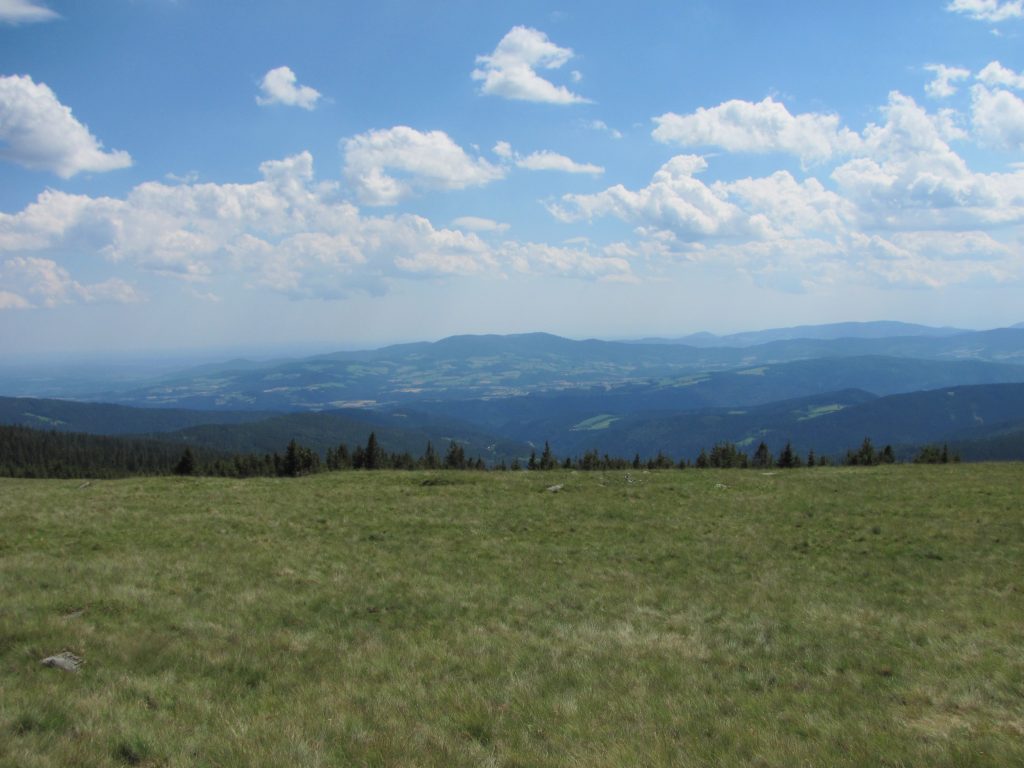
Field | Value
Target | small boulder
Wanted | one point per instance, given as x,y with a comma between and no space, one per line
65,660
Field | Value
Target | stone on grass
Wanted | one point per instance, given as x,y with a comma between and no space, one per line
64,660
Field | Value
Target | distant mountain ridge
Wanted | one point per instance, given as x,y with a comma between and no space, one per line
878,329
501,395
830,423
472,367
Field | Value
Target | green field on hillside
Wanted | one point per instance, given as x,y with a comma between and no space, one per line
824,617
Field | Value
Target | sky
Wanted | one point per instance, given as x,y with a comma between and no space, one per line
184,175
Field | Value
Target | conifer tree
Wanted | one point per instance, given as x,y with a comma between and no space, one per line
429,460
547,458
702,460
186,464
290,464
455,458
762,456
373,457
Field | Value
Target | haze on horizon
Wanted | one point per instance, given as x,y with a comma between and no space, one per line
183,176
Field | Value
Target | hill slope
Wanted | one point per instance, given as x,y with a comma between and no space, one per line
830,424
473,367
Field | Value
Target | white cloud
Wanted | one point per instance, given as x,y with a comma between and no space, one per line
279,87
905,210
24,12
941,86
930,259
677,204
988,10
910,178
995,74
422,161
503,149
674,200
38,132
511,70
779,206
552,161
997,118
580,262
417,247
767,126
49,285
602,126
478,224
10,300
286,233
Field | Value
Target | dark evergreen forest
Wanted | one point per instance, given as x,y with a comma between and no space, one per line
33,453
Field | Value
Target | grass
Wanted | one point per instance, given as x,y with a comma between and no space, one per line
826,617
821,410
601,421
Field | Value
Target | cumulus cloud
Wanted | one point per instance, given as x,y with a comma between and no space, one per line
903,209
511,70
997,118
24,12
992,11
674,200
603,127
479,224
385,166
941,86
38,132
286,232
503,150
995,74
909,177
579,261
10,300
279,86
677,203
552,161
767,126
48,285
779,206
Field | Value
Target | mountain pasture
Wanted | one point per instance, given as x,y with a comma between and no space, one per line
833,616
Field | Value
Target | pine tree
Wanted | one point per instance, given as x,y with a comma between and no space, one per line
547,458
455,458
702,460
429,460
186,464
290,464
373,457
788,459
762,456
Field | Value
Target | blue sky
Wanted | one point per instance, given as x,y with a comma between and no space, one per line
186,175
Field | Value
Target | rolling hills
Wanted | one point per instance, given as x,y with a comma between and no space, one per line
822,387
474,367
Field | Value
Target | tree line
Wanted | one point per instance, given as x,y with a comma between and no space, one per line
27,452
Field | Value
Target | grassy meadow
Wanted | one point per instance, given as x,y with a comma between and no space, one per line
824,617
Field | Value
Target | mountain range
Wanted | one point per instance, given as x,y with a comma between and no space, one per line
821,387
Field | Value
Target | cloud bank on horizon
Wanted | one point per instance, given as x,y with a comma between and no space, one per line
922,191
